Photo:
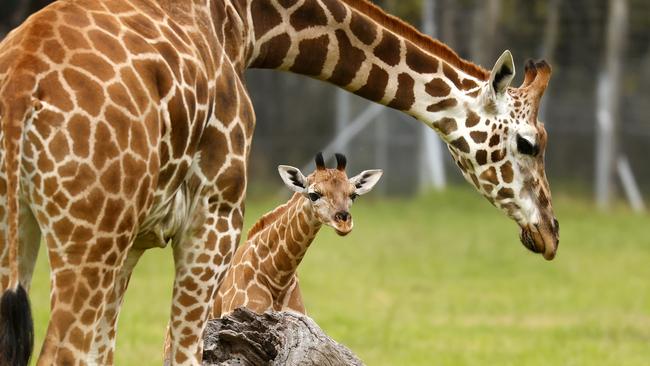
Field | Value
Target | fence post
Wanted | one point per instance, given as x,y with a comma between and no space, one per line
608,103
432,167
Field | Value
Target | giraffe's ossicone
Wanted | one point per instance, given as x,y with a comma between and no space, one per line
126,125
263,274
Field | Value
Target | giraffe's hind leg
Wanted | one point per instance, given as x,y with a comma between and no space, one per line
87,246
29,239
103,346
83,271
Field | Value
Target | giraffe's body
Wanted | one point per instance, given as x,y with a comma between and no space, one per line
262,275
126,125
135,130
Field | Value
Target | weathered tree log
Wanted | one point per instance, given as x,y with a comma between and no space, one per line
244,338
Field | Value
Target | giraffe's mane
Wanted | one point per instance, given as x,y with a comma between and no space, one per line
425,42
269,218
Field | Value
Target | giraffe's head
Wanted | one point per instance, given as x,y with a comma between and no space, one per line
330,192
499,144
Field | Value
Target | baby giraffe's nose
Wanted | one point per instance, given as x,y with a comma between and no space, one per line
342,216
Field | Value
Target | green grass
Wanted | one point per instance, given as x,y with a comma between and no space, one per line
443,280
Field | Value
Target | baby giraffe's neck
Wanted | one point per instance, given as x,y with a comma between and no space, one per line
282,244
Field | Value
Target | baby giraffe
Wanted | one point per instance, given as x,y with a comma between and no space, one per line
262,275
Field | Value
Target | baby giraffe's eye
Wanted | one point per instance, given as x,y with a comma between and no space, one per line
526,147
353,196
314,196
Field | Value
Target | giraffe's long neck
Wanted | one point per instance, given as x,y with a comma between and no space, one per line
355,45
286,240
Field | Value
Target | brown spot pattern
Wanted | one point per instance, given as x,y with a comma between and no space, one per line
388,49
494,140
108,46
404,97
437,88
375,85
507,172
89,94
364,30
419,61
505,193
461,144
350,59
273,52
337,10
472,119
481,157
497,155
451,74
446,125
265,17
490,175
478,136
312,55
310,14
442,105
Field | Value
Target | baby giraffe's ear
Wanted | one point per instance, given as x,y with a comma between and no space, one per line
293,178
365,180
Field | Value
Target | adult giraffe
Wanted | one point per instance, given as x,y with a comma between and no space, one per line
126,125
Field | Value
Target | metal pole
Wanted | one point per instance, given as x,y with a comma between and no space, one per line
608,103
381,147
631,189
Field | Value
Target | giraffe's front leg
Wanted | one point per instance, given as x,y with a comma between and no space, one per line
82,278
201,259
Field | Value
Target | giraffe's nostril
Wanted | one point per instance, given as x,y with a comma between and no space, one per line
556,227
342,216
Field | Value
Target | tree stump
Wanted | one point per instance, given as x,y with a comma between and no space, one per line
244,338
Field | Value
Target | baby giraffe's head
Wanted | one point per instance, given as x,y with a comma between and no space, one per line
330,192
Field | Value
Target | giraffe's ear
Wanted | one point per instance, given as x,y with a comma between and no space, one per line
502,73
293,178
366,180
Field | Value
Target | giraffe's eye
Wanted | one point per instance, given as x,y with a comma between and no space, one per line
353,196
314,196
526,147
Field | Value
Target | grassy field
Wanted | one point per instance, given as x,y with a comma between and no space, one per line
443,280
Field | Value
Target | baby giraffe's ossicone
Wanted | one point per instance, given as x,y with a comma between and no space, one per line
262,275
329,191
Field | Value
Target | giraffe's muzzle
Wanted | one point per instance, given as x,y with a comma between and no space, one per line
542,239
342,223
